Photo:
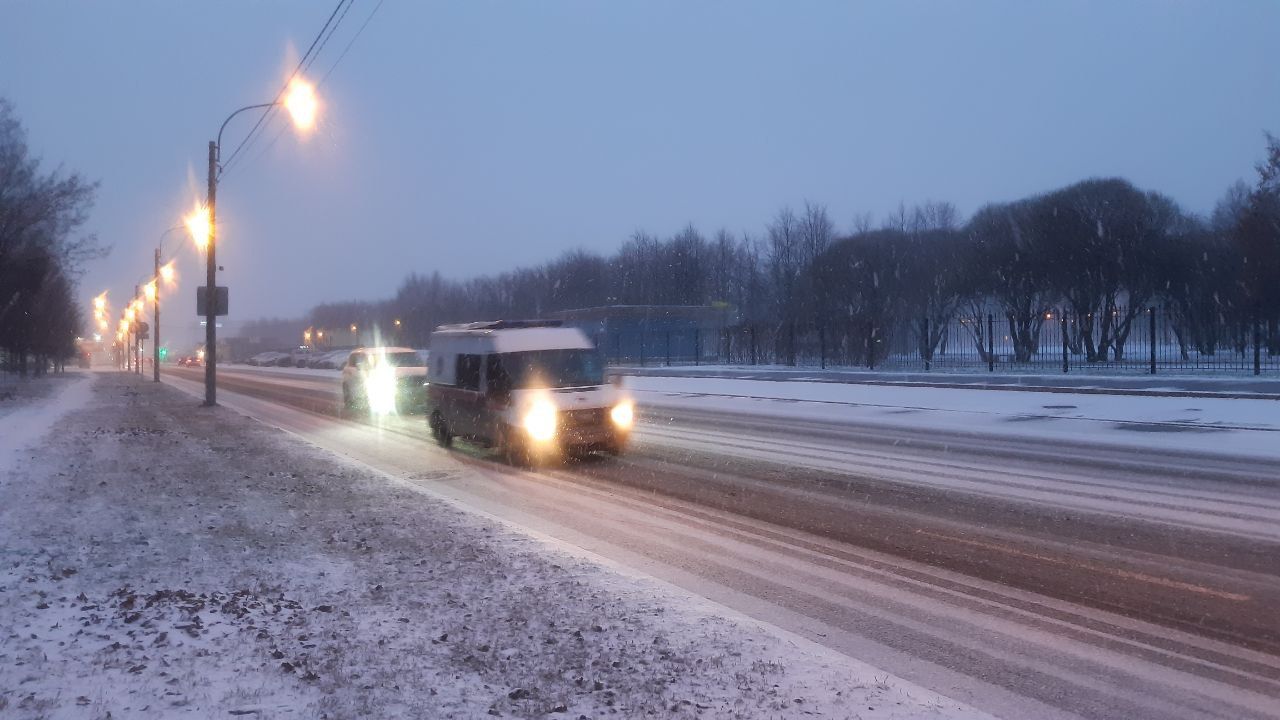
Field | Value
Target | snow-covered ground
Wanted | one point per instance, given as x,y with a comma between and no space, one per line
18,392
1218,425
161,560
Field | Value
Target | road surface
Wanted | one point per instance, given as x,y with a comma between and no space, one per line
1029,579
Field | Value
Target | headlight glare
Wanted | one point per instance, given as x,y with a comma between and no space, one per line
540,421
380,391
623,414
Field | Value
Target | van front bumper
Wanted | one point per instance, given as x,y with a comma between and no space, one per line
588,428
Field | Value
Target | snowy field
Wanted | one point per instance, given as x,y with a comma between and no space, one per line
164,560
1215,425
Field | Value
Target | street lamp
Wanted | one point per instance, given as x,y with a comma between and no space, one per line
299,100
162,272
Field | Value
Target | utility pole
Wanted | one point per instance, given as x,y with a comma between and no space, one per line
211,287
155,342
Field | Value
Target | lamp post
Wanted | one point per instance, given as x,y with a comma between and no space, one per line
165,273
300,101
140,308
137,341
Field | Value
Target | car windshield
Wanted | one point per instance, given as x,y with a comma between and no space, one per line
551,368
400,359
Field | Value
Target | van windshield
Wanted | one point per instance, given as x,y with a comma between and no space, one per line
547,368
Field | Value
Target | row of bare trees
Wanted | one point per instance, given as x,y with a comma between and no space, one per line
1100,250
41,253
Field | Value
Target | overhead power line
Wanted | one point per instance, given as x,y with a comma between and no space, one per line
320,84
349,44
303,61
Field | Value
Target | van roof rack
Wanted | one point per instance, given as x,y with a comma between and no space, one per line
503,325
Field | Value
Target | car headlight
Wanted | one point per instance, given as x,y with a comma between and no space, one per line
623,414
540,421
380,390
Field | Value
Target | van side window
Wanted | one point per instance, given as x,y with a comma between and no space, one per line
468,375
354,360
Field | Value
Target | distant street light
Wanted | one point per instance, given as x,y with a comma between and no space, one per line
300,101
162,272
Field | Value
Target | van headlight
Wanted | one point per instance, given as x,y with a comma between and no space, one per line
540,421
623,414
380,391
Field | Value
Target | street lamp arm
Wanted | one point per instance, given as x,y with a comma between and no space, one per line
167,233
224,122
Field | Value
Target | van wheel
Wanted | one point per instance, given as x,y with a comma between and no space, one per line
347,402
440,430
513,451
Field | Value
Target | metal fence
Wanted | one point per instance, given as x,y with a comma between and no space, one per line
1147,340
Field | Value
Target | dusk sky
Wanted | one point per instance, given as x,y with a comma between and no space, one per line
474,137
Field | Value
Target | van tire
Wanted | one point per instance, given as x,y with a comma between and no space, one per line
440,430
513,451
347,402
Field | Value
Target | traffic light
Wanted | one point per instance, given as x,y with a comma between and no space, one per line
164,354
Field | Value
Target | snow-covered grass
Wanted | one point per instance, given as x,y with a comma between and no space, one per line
20,392
1217,425
1046,374
162,559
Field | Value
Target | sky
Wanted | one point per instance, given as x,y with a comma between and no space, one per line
471,137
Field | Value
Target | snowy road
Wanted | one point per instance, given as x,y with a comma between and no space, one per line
1030,577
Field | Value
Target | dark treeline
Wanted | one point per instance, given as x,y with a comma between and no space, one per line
1100,252
40,256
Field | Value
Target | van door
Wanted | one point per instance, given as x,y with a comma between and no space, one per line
497,394
468,401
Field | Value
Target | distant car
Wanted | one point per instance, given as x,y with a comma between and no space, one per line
384,380
329,360
268,358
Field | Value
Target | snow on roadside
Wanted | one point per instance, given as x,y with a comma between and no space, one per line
29,408
1216,425
162,559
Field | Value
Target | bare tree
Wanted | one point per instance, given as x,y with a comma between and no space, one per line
41,254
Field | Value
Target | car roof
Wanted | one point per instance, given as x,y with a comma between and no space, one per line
391,349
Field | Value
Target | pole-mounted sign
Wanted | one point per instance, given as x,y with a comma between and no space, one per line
219,301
